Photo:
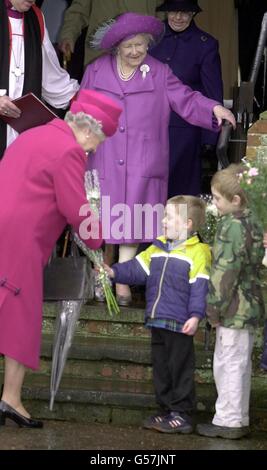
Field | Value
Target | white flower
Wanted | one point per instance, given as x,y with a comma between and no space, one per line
212,209
94,195
144,69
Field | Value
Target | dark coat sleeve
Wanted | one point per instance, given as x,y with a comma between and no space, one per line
211,79
130,273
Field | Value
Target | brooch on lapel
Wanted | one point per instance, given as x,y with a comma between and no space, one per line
204,38
144,69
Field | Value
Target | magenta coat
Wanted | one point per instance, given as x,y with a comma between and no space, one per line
41,190
133,164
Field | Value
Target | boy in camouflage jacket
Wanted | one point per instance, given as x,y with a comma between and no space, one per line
235,304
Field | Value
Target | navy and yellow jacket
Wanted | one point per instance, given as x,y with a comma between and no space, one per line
176,278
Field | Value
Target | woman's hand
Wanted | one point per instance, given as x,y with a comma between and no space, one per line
223,113
8,108
265,240
67,47
190,327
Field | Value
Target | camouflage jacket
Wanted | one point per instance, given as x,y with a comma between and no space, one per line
235,298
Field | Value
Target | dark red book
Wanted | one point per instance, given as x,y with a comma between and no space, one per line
33,113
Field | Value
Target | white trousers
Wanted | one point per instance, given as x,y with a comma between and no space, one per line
232,373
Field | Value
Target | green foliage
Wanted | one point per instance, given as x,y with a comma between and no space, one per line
207,232
253,180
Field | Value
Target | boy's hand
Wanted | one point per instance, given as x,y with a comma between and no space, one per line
109,271
190,327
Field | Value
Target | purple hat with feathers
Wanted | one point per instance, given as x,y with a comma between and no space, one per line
113,32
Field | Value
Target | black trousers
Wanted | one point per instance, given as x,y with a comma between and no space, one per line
173,361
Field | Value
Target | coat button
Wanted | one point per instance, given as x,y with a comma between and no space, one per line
121,162
122,129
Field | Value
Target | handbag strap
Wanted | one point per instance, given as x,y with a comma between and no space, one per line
74,250
67,236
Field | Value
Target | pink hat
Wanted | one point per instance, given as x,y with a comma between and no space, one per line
100,107
124,26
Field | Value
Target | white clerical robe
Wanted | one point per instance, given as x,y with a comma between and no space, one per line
57,86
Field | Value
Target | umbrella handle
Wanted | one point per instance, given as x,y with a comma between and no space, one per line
52,400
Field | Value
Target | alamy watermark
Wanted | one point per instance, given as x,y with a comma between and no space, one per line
138,222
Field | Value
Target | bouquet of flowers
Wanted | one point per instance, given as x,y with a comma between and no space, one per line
92,188
253,180
207,232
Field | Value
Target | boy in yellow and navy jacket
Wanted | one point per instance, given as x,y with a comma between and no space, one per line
175,270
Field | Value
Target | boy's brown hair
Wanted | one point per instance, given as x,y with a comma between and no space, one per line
196,209
226,182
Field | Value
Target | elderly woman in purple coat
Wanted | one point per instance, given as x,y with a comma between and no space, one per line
133,165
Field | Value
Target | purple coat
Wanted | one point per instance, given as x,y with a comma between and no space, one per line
133,164
41,190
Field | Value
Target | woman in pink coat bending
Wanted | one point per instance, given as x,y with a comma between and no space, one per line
41,190
133,166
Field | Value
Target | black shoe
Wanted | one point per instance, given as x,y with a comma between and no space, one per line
212,430
153,421
173,423
6,411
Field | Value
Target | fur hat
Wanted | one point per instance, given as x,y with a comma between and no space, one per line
100,107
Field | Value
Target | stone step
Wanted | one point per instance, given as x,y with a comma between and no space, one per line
95,321
124,359
112,356
115,370
119,402
129,359
115,358
118,394
98,311
133,350
88,328
108,376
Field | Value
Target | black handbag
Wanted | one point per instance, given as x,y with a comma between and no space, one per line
68,278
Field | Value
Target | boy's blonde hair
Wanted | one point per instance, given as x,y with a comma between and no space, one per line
196,209
226,182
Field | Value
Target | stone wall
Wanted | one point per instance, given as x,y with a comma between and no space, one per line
257,139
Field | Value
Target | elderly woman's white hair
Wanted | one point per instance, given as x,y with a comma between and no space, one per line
82,120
